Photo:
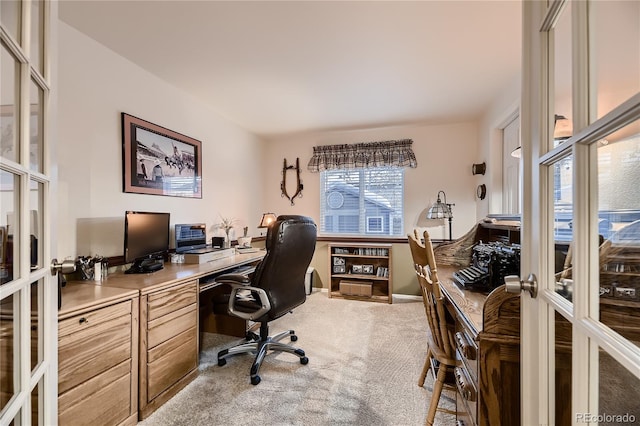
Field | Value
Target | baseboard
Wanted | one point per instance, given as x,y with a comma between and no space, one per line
395,296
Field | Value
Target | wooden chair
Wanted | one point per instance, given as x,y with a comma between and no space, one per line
419,255
441,342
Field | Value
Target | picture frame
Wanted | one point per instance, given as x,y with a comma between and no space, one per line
159,161
339,269
338,261
356,269
367,269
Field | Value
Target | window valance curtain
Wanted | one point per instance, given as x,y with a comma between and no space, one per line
363,155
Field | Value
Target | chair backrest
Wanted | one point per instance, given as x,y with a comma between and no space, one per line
290,244
434,302
418,252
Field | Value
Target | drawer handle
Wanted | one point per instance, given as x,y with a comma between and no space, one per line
466,389
464,347
83,320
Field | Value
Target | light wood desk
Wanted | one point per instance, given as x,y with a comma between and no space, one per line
160,310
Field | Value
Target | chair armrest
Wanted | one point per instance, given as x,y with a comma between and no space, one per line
233,278
262,296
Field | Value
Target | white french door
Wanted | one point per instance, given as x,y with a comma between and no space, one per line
28,293
581,218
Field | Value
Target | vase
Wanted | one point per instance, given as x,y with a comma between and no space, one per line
227,242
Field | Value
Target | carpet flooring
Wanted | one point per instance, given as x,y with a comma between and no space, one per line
364,363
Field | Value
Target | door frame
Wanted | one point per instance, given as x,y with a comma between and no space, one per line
538,315
44,377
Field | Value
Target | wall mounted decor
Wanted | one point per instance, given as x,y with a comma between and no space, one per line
481,191
283,184
159,161
479,169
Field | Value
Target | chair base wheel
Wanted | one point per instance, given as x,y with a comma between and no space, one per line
304,360
255,380
222,362
294,337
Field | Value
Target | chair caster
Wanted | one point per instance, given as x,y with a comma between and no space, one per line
294,337
255,380
222,362
304,360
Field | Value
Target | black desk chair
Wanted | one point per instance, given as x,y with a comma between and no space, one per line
276,287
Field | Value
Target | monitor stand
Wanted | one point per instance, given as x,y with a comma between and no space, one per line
144,266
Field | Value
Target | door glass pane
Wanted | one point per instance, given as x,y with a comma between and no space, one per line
37,42
36,400
36,222
563,371
10,17
9,95
615,53
619,393
619,219
36,323
562,221
35,127
563,107
9,212
9,341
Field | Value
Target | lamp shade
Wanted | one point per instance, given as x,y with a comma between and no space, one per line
440,210
267,219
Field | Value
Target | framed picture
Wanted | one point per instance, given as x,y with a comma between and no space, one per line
339,269
159,161
356,269
367,269
338,260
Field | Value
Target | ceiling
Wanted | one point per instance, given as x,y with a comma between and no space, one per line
277,68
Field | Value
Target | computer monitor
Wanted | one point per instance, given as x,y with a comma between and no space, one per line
146,240
190,236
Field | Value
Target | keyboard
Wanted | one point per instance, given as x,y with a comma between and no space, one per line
472,277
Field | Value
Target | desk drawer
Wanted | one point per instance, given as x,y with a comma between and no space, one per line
171,361
102,400
467,392
170,325
467,349
167,301
91,343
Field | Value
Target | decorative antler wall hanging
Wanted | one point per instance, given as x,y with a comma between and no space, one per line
283,184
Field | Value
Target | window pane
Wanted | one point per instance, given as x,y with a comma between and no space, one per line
562,69
36,323
362,201
36,400
35,127
562,221
36,223
9,214
619,393
619,216
37,42
9,84
615,52
563,374
9,341
10,17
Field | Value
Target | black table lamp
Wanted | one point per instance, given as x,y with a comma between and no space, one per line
267,219
440,210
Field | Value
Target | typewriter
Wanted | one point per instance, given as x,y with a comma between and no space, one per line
490,263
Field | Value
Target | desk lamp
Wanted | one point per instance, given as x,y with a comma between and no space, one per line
267,220
440,210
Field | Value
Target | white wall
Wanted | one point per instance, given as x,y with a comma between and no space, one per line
444,152
494,120
95,86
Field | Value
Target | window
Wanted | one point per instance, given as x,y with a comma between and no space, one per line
362,201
